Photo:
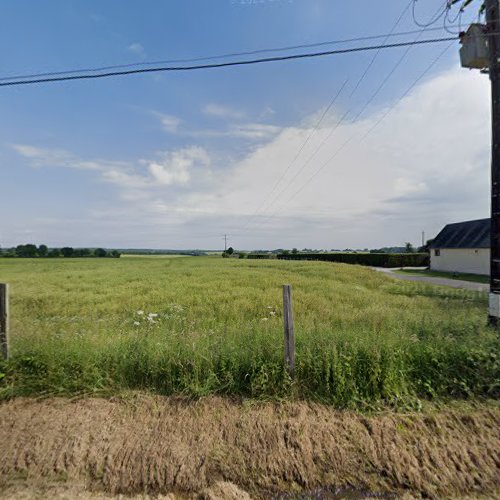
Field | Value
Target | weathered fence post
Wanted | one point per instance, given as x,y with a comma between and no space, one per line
4,320
289,333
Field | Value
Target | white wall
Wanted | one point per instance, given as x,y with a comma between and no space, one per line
462,260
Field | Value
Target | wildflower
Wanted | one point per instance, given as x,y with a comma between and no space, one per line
140,313
152,315
136,323
273,313
265,319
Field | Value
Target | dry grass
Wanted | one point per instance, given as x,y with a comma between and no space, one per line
154,445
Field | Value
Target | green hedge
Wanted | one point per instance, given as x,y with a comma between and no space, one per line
260,256
365,259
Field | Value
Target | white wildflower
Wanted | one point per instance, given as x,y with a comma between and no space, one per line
265,319
152,315
136,323
273,313
140,313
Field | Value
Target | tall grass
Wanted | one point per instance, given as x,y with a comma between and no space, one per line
82,326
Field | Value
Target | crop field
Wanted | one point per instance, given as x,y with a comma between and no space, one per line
209,326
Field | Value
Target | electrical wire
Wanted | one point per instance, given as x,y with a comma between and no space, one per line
433,20
407,91
325,139
351,138
304,144
447,21
225,64
398,20
220,56
358,114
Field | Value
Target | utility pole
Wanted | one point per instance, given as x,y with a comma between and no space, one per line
423,238
480,50
225,243
492,10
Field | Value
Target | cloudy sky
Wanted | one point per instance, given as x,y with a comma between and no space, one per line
355,150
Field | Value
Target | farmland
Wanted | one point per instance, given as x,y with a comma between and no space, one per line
211,326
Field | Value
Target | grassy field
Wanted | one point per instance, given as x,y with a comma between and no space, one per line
476,278
199,326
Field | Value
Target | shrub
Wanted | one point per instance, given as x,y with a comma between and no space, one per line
365,259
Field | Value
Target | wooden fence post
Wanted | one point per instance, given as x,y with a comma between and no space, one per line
289,333
4,320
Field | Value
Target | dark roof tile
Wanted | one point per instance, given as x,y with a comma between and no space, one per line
468,234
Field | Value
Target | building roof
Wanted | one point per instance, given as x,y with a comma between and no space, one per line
468,234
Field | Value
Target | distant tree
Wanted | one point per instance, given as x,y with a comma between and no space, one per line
55,252
426,247
28,250
42,250
409,248
285,252
100,252
81,252
295,251
67,251
242,255
115,254
230,251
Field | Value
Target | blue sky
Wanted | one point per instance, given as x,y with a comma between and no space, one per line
177,160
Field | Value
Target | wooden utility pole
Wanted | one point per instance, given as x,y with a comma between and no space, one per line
4,320
492,11
289,333
481,50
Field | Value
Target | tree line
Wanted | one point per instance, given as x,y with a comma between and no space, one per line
32,251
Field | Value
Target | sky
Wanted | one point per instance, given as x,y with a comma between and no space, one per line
178,160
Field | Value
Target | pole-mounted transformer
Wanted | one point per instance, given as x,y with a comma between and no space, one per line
475,53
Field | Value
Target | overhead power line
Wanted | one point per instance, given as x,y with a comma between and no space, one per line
363,108
316,127
225,64
441,11
221,56
352,137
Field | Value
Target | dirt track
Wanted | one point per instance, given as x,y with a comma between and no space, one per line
92,448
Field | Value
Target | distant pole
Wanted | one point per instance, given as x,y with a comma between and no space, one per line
225,243
423,238
289,332
492,9
4,320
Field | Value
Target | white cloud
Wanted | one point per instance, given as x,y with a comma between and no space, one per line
170,168
404,186
253,131
170,123
424,165
249,131
175,168
136,48
43,156
222,111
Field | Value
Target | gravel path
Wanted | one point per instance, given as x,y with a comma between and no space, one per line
467,285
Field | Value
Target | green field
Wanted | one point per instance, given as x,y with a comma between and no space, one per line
205,325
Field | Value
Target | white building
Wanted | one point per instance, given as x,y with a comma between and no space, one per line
463,247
